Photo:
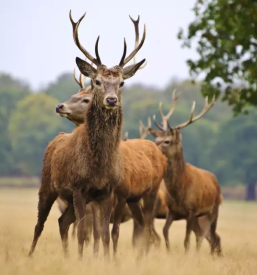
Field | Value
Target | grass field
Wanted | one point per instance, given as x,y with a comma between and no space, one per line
237,228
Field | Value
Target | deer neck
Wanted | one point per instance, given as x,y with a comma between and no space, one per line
175,169
103,133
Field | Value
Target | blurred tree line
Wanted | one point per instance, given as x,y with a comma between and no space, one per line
218,142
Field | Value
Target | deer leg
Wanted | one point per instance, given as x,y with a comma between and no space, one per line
198,234
66,219
96,226
139,221
45,203
88,227
189,227
74,229
106,210
169,220
88,224
117,217
79,204
215,239
149,207
136,232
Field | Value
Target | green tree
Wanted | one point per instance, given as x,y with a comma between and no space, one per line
226,36
62,88
32,126
235,152
138,103
11,91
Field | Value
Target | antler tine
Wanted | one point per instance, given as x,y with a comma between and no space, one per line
125,136
136,24
75,26
96,50
160,109
165,118
75,78
144,131
156,123
124,53
173,103
123,62
206,108
149,125
142,67
81,80
141,128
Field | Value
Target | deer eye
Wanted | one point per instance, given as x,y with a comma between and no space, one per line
166,142
122,84
97,82
86,100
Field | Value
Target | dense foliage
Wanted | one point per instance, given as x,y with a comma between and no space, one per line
225,36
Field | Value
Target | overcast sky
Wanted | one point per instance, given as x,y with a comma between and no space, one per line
37,44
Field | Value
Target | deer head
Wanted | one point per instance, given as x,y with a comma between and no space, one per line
74,109
170,139
106,82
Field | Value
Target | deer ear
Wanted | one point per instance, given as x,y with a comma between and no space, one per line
85,68
130,70
154,132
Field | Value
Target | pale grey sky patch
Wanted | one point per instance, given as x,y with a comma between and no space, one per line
37,44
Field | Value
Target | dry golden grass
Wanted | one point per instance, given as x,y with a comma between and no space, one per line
237,227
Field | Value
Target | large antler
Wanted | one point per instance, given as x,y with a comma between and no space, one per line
206,108
165,118
144,131
75,26
124,60
136,23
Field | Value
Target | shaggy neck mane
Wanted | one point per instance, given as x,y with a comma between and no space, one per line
103,133
175,170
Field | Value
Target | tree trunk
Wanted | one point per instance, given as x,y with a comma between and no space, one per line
250,192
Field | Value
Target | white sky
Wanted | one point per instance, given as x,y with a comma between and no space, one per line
37,44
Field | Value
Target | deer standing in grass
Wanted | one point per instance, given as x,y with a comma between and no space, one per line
99,163
193,192
74,110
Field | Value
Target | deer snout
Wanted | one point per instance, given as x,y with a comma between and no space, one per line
111,101
58,108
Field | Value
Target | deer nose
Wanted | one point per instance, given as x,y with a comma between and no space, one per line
58,108
111,101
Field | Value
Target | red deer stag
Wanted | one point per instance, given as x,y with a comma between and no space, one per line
98,161
74,110
164,197
194,192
